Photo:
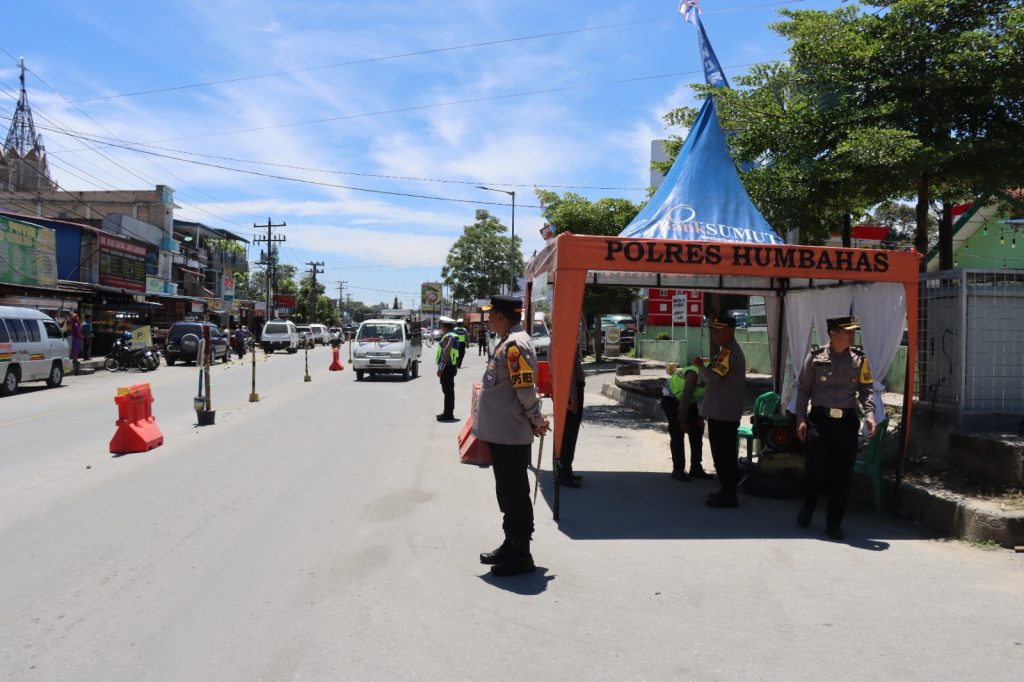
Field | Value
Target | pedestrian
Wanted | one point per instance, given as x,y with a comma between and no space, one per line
507,418
571,432
75,329
461,333
680,401
837,380
447,358
87,336
241,334
481,341
725,380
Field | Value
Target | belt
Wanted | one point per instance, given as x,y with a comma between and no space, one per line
834,412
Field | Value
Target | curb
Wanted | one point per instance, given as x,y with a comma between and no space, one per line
955,516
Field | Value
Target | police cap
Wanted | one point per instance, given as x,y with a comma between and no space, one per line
444,319
845,323
509,305
722,321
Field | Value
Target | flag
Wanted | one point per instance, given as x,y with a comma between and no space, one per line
713,73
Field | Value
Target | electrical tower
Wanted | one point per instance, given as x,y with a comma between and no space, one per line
315,270
270,240
341,300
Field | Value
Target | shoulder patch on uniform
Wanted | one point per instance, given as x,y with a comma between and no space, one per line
865,371
520,373
720,365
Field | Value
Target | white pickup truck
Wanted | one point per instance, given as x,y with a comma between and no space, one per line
386,347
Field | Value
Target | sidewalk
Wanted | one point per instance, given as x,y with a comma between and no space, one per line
951,513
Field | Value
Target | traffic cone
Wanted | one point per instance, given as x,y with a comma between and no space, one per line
336,365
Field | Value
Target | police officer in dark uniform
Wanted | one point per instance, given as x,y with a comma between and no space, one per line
447,358
507,418
461,334
837,381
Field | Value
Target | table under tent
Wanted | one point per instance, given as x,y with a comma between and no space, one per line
700,231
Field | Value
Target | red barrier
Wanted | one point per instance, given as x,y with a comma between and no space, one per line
336,365
472,450
544,378
136,427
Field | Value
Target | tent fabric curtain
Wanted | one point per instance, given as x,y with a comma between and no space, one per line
881,311
800,310
829,303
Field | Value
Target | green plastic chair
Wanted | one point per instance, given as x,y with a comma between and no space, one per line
870,462
765,405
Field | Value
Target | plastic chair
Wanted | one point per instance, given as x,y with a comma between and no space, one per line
870,461
765,405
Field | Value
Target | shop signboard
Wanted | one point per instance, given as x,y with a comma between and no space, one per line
122,263
198,307
284,300
228,289
430,297
28,254
154,285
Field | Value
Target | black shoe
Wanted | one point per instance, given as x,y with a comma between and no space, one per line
680,476
519,559
698,472
447,419
497,555
568,481
803,519
835,533
722,500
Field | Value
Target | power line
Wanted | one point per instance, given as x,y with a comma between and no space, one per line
418,53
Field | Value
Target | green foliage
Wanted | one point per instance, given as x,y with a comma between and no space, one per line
662,336
228,246
482,260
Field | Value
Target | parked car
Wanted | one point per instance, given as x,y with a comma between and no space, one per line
627,329
181,346
280,335
320,334
335,334
541,336
740,315
32,348
305,335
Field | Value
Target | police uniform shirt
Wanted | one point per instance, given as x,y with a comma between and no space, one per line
725,380
834,380
507,407
444,358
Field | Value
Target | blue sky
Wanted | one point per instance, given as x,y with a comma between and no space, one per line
590,132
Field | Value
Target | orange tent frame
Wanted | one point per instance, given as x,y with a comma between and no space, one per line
570,260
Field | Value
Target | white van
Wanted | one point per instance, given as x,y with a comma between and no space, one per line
320,334
32,348
280,335
387,347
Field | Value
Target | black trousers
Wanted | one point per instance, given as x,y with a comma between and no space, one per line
448,388
512,487
571,432
831,453
695,434
481,347
722,435
462,354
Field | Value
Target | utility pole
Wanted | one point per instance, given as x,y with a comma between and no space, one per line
314,266
270,239
341,300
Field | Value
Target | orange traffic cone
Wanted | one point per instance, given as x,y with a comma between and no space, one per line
336,365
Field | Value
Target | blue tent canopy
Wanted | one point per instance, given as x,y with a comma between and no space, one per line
702,198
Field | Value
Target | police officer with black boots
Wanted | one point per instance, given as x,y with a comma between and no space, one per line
507,418
571,433
837,381
680,398
725,379
447,358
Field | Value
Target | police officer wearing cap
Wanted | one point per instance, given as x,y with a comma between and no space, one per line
680,401
837,381
507,418
725,380
461,334
447,358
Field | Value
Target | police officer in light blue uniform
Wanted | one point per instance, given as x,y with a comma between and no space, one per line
447,358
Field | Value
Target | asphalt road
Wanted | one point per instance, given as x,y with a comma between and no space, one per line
329,532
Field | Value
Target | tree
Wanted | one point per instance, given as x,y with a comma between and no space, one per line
285,280
482,260
916,99
326,310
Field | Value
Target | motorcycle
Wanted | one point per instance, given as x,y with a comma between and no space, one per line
122,357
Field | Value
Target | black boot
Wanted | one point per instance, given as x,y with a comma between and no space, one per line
498,554
518,560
